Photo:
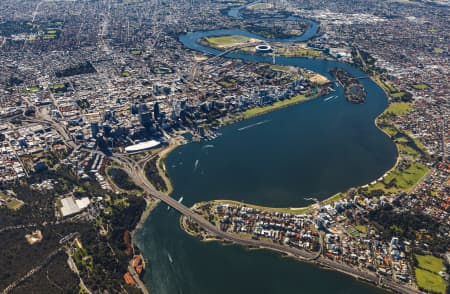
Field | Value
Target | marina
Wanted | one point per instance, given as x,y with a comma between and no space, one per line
303,166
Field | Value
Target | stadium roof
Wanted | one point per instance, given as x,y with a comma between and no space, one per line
142,146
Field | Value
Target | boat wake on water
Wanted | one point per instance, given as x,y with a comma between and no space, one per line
195,165
253,125
208,146
331,98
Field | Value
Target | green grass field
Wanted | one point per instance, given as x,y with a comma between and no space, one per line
280,68
259,6
57,86
390,89
126,74
404,142
299,52
227,41
279,104
333,198
404,180
419,144
407,150
292,210
30,89
361,228
430,281
14,204
399,108
387,86
421,86
431,263
397,95
11,202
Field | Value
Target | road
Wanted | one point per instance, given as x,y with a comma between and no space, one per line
136,277
34,270
138,175
233,48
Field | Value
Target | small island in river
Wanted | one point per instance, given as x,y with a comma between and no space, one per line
354,91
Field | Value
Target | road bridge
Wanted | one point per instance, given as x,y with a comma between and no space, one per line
233,48
136,172
138,175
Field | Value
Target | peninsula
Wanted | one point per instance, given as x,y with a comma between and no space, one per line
118,116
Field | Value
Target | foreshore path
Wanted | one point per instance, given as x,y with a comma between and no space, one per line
136,172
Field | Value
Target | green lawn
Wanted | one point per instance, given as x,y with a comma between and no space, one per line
420,86
407,150
404,142
11,202
407,178
14,204
121,202
352,231
387,86
227,41
259,6
293,210
419,145
332,199
404,180
361,228
390,89
390,130
260,110
430,281
397,95
280,68
31,89
399,108
431,263
299,52
57,86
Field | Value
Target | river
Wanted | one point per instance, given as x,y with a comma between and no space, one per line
313,149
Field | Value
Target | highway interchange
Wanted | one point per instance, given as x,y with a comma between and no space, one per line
136,172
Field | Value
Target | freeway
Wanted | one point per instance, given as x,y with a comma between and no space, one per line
137,174
139,177
233,48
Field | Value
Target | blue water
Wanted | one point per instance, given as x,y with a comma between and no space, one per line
313,149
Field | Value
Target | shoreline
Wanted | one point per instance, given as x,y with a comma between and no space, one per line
324,264
152,204
319,261
314,258
149,206
240,117
260,110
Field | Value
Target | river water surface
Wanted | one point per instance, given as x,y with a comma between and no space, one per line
313,149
